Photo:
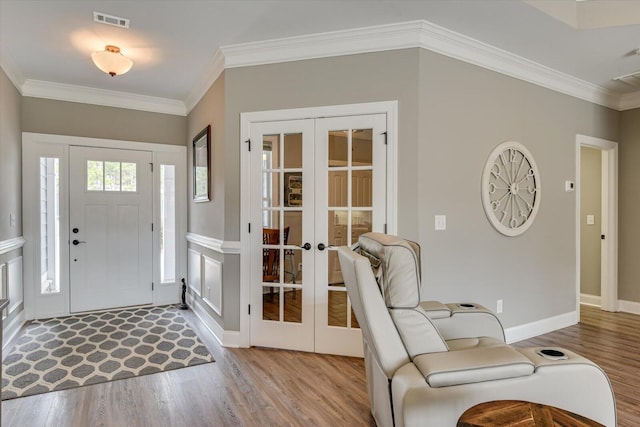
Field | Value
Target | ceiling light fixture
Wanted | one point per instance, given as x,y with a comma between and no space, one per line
111,61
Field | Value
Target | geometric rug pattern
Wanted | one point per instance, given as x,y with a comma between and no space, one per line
74,351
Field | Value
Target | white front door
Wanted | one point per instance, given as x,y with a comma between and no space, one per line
315,184
110,236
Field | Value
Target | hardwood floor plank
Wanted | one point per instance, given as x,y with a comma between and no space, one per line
266,387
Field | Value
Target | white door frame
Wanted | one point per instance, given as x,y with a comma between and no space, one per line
36,145
609,216
390,108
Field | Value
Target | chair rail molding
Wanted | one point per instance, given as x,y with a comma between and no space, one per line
11,244
226,247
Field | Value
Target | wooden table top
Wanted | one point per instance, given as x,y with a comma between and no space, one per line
514,412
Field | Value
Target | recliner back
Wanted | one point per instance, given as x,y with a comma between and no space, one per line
399,281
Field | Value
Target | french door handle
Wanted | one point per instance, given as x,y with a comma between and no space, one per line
76,242
322,246
306,246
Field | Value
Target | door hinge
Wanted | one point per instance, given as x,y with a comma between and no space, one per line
602,236
385,229
249,309
385,137
151,166
151,226
151,285
248,142
249,227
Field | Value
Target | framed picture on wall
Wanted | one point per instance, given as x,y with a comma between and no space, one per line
293,189
201,169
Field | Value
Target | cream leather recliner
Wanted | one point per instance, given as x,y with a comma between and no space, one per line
427,362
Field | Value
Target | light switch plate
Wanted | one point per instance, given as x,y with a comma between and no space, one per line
441,222
591,219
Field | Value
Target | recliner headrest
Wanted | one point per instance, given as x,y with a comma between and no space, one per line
397,262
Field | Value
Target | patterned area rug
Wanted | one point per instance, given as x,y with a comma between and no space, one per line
68,352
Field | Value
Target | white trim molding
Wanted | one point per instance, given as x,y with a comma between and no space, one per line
412,34
11,329
539,327
629,101
227,247
592,300
108,98
609,223
225,338
11,244
629,306
425,35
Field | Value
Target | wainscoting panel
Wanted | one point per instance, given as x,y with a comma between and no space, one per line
14,283
212,292
194,271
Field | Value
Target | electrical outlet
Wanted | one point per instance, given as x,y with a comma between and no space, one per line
499,306
12,220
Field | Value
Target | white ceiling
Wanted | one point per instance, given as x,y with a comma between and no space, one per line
172,43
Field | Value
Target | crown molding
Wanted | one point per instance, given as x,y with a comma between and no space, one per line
629,101
108,98
214,69
12,72
411,34
322,45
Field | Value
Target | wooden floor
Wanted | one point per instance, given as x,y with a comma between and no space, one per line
262,387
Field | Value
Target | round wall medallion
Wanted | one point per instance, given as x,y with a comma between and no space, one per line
511,188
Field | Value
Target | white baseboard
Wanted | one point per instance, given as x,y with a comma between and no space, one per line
629,306
539,327
12,328
225,338
593,300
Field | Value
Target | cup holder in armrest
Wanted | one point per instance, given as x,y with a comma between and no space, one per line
466,306
549,353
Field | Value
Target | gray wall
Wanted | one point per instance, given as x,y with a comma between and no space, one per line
629,206
208,218
95,121
451,115
10,158
465,111
590,204
10,172
351,79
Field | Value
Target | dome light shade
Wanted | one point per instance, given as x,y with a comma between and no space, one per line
111,61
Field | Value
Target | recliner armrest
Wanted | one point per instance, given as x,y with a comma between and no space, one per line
435,309
469,322
473,365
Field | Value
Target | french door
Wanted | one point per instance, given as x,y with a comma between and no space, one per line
316,184
110,228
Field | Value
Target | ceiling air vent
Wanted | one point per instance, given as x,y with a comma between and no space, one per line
103,18
632,79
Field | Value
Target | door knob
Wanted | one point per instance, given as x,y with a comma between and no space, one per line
306,246
77,242
322,246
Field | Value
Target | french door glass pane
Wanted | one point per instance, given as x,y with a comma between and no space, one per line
282,190
338,148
